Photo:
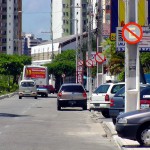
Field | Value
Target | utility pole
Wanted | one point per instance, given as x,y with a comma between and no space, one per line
76,20
132,68
89,81
99,41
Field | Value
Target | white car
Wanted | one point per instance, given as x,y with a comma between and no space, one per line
100,99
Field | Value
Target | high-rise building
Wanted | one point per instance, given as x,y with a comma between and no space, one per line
65,13
28,41
10,26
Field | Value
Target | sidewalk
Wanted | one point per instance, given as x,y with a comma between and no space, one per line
123,144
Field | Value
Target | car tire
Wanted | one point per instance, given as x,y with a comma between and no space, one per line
58,106
142,135
114,120
35,97
105,113
20,97
46,95
85,107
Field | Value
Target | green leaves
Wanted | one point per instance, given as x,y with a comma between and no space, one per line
63,63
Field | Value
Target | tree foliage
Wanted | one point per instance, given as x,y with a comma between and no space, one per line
12,65
116,60
63,63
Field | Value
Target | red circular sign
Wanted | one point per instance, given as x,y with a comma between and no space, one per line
100,58
89,63
80,62
132,33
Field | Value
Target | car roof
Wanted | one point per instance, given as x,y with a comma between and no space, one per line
113,83
65,84
27,81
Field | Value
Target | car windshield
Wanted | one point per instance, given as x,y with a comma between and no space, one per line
27,84
102,89
71,88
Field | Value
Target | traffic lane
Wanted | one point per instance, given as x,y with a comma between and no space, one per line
44,128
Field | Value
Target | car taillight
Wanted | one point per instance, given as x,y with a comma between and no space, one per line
84,95
59,94
111,103
106,97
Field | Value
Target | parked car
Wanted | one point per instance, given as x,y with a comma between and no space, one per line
42,91
51,89
135,125
117,102
71,95
27,88
100,99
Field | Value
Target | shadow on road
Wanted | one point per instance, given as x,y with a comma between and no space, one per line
71,109
11,115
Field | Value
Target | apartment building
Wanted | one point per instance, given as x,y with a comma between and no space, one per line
10,26
66,14
29,41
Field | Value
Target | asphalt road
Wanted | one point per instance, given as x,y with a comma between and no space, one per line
35,124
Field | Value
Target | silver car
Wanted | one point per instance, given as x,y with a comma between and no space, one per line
71,95
27,88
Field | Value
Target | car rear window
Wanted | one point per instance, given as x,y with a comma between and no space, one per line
70,88
102,89
27,84
145,93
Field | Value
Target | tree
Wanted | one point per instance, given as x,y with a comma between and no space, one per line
12,65
64,63
115,59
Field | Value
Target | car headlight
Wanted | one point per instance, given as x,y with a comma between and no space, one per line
122,120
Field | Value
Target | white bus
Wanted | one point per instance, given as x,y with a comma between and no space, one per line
37,73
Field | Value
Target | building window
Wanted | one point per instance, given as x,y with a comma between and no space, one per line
67,14
64,5
84,6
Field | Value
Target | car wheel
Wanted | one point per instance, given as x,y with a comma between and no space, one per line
143,135
114,120
35,97
46,95
105,113
85,107
20,97
58,106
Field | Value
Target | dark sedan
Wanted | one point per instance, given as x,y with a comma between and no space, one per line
117,103
135,125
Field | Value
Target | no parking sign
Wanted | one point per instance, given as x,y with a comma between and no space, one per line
89,63
100,58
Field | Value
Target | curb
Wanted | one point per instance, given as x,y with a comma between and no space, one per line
8,95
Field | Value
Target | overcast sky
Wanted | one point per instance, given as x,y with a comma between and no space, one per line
36,18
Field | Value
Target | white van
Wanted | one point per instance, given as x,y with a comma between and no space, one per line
27,88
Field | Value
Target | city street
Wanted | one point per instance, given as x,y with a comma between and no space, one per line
35,124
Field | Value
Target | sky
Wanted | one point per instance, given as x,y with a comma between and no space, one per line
36,18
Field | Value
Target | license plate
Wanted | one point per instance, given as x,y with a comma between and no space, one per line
96,105
27,91
72,102
143,106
